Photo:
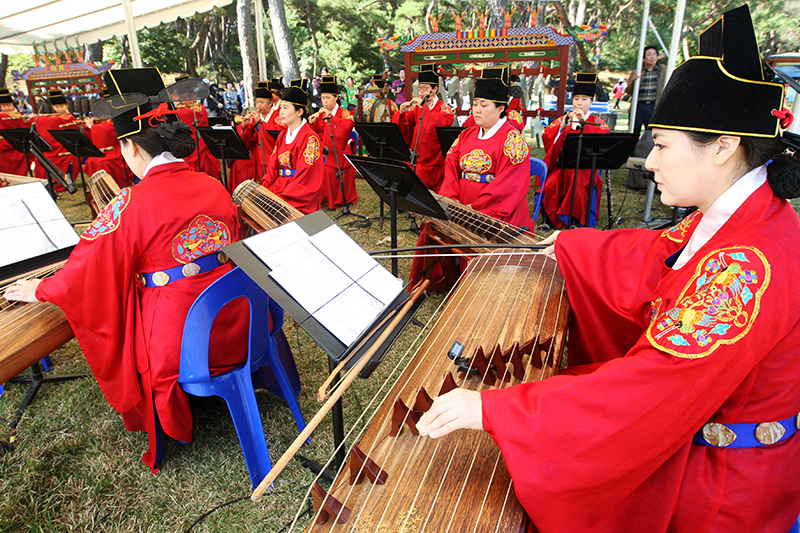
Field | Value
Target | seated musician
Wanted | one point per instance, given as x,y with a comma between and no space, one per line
193,113
377,105
683,414
13,161
254,131
514,110
488,166
61,119
418,119
557,189
129,283
334,121
295,170
102,135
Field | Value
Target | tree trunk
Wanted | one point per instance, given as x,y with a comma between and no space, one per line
192,53
93,53
283,40
3,69
244,24
313,37
124,46
496,18
562,15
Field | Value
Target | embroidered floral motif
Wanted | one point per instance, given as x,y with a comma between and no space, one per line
278,120
516,148
655,308
203,236
446,108
718,305
678,232
476,161
346,114
311,152
285,159
515,116
109,218
455,143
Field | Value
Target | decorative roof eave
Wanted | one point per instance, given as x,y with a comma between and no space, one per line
480,39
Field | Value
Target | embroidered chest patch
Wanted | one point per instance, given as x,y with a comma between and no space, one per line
515,116
109,218
202,237
285,159
311,151
346,114
678,232
516,148
455,143
718,306
476,161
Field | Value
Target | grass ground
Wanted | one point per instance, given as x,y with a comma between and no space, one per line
75,468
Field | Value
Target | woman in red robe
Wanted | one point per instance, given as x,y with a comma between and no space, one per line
102,135
557,190
58,155
488,166
11,161
295,171
686,419
333,120
124,288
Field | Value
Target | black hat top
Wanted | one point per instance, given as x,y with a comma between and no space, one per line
56,97
328,85
297,92
493,85
275,84
722,89
379,80
134,92
429,74
262,90
5,96
181,77
585,84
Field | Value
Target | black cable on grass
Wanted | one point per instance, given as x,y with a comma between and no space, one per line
309,510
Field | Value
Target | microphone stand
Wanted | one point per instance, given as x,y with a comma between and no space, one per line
414,153
339,173
581,124
195,123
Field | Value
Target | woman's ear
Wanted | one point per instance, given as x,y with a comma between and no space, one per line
725,147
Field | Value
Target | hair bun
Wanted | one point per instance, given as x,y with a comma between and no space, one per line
783,174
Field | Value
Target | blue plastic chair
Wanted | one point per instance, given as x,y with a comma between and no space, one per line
538,170
236,386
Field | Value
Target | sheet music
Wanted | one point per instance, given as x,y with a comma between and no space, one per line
328,274
31,223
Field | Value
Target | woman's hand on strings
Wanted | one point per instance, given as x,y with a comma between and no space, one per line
551,240
24,290
458,409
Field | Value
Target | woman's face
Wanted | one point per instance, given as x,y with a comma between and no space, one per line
290,116
328,101
485,113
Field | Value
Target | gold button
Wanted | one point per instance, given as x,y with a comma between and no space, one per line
769,432
222,258
718,434
160,279
143,281
190,269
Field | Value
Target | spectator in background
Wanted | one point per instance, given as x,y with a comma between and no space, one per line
242,95
619,91
654,76
349,99
230,99
314,96
399,88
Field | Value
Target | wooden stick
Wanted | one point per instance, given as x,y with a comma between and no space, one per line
340,390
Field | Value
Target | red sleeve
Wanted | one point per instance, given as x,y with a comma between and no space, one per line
452,170
271,173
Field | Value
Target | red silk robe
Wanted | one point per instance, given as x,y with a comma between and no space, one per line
302,158
607,448
206,162
103,136
430,162
506,157
256,138
342,124
557,188
513,115
11,161
131,335
58,155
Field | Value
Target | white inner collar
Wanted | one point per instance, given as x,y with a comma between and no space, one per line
161,159
492,130
290,134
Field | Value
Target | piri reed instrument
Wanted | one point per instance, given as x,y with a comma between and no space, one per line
510,313
261,208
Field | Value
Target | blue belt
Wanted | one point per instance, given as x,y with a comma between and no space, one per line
287,172
745,435
479,178
198,266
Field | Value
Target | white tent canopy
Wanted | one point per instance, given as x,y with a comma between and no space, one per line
25,22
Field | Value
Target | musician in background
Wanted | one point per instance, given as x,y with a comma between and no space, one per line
58,155
336,121
377,105
418,119
254,131
513,107
557,188
296,171
193,113
488,166
678,410
13,162
102,135
129,283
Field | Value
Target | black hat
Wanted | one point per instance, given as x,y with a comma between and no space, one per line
722,89
493,85
585,84
56,97
275,84
297,92
378,80
146,81
262,90
328,85
5,96
428,74
181,77
104,93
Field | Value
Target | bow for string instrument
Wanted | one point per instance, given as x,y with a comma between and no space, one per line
505,324
263,209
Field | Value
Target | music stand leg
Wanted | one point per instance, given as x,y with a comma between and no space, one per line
27,162
393,219
589,198
338,423
608,198
575,180
222,164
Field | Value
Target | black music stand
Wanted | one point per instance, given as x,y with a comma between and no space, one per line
607,151
274,133
383,139
447,136
77,144
20,140
224,143
397,184
218,121
34,144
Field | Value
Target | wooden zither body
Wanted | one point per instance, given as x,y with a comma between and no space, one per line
510,314
463,226
262,209
102,189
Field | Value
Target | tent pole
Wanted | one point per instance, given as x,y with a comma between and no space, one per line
132,39
677,31
258,9
639,61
